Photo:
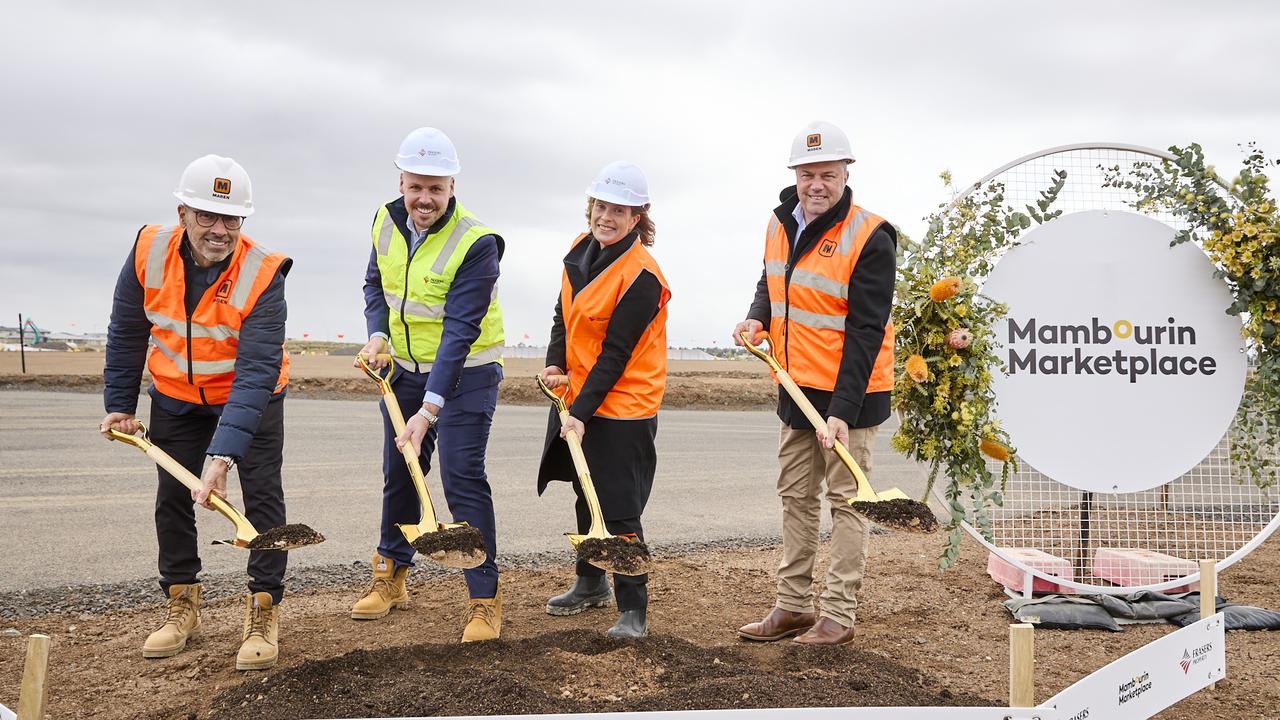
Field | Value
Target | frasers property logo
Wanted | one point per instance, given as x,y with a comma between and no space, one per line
1194,656
1096,347
1134,688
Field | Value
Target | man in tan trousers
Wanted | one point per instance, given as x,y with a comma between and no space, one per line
825,295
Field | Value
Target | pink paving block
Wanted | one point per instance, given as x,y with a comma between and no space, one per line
1010,576
1132,567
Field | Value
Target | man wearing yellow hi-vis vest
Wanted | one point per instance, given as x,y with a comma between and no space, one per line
431,301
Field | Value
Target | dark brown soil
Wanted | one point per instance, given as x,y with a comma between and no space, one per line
628,557
576,671
466,540
286,537
902,513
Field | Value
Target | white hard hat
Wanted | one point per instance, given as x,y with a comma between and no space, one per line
216,184
427,151
820,142
621,183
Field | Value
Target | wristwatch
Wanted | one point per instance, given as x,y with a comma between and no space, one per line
230,461
431,419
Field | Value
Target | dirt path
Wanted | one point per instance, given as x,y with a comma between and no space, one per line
924,636
695,385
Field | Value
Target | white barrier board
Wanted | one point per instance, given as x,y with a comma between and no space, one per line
1149,679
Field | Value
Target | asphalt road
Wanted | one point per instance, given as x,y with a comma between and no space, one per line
76,509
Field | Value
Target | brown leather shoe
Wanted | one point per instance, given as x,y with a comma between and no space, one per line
778,624
826,632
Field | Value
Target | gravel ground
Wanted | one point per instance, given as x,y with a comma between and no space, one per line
94,599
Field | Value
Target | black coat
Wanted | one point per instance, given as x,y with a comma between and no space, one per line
621,456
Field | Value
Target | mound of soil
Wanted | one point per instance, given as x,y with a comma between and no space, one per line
575,671
285,537
464,540
902,513
628,557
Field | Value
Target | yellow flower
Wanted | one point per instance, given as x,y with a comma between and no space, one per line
995,449
955,361
944,289
917,368
962,310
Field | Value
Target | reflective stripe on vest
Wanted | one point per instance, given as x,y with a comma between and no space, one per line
809,310
193,357
638,392
415,289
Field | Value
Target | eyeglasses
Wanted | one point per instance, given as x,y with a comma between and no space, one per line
207,219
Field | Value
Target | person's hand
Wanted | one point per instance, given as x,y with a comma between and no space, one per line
213,482
836,429
574,424
376,346
751,328
120,422
416,429
553,377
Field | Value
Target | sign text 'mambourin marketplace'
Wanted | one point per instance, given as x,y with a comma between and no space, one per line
1095,332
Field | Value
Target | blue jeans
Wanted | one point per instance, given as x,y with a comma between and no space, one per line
462,434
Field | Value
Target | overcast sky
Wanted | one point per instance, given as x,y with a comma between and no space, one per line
105,103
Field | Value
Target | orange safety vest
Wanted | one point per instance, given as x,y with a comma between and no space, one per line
638,392
193,359
808,312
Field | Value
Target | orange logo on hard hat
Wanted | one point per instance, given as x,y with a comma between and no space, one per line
814,140
222,186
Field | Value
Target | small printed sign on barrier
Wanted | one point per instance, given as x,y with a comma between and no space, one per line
1149,679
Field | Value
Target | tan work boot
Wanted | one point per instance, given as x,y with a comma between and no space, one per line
181,623
484,618
260,645
386,591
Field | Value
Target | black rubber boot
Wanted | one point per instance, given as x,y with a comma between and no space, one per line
631,624
587,592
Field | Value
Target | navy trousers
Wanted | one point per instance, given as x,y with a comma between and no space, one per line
186,437
462,435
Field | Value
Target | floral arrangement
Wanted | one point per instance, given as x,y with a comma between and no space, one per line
1237,225
946,344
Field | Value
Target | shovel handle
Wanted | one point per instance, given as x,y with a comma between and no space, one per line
579,460
244,529
810,412
428,511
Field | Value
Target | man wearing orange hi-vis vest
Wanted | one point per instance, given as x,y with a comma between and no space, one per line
210,302
825,296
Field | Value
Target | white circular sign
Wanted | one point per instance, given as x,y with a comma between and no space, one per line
1124,370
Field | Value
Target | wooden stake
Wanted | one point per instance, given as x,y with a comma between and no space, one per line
32,695
1208,588
1209,593
1022,658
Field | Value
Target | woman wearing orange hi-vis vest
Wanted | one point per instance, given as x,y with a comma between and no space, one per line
610,337
825,296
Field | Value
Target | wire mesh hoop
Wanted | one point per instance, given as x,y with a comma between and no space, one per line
1117,543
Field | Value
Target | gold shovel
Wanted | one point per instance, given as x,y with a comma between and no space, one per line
285,537
455,545
865,492
615,553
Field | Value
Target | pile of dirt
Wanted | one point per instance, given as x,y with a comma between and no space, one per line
577,671
902,513
464,539
285,537
729,390
629,557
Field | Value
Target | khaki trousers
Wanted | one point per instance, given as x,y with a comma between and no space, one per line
804,467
